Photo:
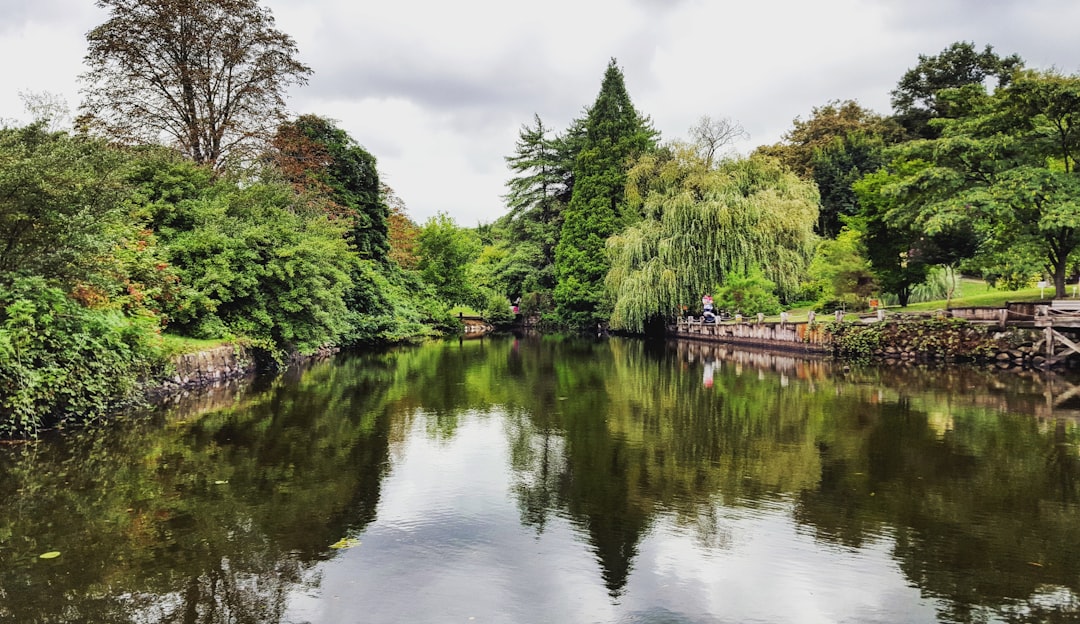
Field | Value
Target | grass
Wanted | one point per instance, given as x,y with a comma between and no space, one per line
970,293
179,345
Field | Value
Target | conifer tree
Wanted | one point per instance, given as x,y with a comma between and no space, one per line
614,134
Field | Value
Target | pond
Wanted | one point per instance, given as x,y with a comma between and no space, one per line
548,479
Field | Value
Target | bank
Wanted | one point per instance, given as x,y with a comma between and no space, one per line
1027,335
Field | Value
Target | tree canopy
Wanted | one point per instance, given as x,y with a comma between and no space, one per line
915,99
745,216
206,76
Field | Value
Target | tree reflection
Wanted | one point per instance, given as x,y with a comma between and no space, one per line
973,478
209,522
977,490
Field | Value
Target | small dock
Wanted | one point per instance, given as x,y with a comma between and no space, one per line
1059,316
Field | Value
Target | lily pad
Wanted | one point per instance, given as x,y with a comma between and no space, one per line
52,554
345,542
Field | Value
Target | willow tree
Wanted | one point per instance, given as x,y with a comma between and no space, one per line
703,224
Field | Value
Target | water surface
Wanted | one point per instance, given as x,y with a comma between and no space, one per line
556,480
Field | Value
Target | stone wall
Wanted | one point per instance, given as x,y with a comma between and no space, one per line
914,340
210,366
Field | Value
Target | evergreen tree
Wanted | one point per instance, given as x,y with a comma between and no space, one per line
532,225
614,134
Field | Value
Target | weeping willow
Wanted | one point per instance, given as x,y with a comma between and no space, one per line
699,226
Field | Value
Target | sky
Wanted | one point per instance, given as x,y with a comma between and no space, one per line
438,91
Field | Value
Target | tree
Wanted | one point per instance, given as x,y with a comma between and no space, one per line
61,205
445,253
317,156
888,244
535,210
839,143
840,265
614,134
915,98
705,225
402,232
207,76
1007,166
835,119
711,135
836,167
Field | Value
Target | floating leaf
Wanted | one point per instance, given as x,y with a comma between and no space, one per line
345,542
52,554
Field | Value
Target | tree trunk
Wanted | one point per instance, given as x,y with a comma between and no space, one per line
1059,278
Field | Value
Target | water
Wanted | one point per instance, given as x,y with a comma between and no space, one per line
553,480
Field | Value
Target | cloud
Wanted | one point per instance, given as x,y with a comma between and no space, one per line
438,90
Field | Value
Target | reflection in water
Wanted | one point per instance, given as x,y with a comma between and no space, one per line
545,479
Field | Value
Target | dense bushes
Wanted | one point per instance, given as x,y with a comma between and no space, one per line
60,360
101,248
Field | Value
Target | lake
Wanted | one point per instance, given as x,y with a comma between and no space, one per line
549,479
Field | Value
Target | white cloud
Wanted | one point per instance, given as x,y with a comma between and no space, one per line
438,90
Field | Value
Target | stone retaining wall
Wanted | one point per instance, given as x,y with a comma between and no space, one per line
211,366
949,340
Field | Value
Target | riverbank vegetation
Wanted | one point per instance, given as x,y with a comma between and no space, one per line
166,213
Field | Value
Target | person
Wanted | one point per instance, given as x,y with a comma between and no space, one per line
707,313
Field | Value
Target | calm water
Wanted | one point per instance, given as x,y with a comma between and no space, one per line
545,480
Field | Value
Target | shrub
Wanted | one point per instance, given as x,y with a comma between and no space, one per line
61,362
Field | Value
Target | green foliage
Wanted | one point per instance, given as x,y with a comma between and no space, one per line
705,225
841,268
747,293
316,155
61,362
445,253
259,265
916,99
826,126
614,134
60,207
888,244
836,167
387,304
1003,166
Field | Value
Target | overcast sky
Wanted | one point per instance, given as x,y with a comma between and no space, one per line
438,90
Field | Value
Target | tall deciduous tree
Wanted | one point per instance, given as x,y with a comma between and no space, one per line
614,134
208,76
915,99
1007,165
711,135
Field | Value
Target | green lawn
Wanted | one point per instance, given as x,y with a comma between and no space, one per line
970,293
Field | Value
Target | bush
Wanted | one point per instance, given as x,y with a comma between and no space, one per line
61,362
748,293
261,266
